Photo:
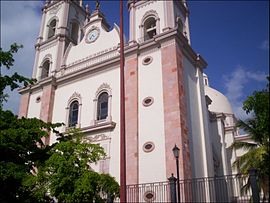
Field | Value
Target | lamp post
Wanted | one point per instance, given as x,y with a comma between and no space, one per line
176,155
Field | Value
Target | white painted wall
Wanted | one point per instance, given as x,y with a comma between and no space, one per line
105,41
50,15
200,145
152,165
34,107
51,50
87,86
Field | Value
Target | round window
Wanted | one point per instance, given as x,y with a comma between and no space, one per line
148,101
147,60
148,146
149,196
38,99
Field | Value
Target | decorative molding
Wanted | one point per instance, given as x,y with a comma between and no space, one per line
148,14
141,4
55,9
91,60
49,44
168,43
97,138
99,127
75,96
104,88
47,57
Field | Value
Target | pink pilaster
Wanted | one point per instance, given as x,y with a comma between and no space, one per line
131,109
24,103
175,120
47,102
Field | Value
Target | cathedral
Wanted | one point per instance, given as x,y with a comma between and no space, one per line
168,100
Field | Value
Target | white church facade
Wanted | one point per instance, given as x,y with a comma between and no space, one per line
168,100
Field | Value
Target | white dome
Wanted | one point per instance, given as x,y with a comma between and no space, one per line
219,103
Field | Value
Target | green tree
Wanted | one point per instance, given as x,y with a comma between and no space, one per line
21,146
29,170
68,175
21,151
257,155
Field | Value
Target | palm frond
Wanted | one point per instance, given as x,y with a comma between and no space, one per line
252,159
243,145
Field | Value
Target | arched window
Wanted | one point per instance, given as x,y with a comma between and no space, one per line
102,106
52,28
73,114
74,32
150,28
45,69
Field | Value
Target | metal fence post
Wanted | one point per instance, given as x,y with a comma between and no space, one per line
254,186
172,182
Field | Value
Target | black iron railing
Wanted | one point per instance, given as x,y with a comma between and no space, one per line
149,192
231,188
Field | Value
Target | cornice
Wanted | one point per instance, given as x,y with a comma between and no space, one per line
52,41
109,58
39,85
141,3
99,127
101,66
48,7
230,128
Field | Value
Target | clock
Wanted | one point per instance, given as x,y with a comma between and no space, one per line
92,35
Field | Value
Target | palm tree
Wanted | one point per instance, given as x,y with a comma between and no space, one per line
257,151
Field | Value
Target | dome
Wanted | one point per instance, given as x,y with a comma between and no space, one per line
219,103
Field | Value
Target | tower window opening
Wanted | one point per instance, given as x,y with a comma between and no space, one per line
150,28
73,114
102,107
52,28
74,32
45,69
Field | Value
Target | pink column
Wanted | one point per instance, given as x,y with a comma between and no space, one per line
24,103
175,120
46,109
131,108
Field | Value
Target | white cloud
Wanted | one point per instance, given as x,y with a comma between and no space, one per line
235,84
264,45
20,22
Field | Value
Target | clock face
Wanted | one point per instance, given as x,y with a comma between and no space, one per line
93,35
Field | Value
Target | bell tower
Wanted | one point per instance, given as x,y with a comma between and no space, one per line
62,23
151,18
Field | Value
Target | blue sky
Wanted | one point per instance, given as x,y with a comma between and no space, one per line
232,36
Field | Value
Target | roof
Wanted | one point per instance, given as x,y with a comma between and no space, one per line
219,103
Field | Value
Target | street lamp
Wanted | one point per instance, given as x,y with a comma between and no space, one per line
176,155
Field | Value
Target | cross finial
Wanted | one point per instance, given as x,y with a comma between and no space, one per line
97,4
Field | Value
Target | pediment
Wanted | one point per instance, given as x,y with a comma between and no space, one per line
104,41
